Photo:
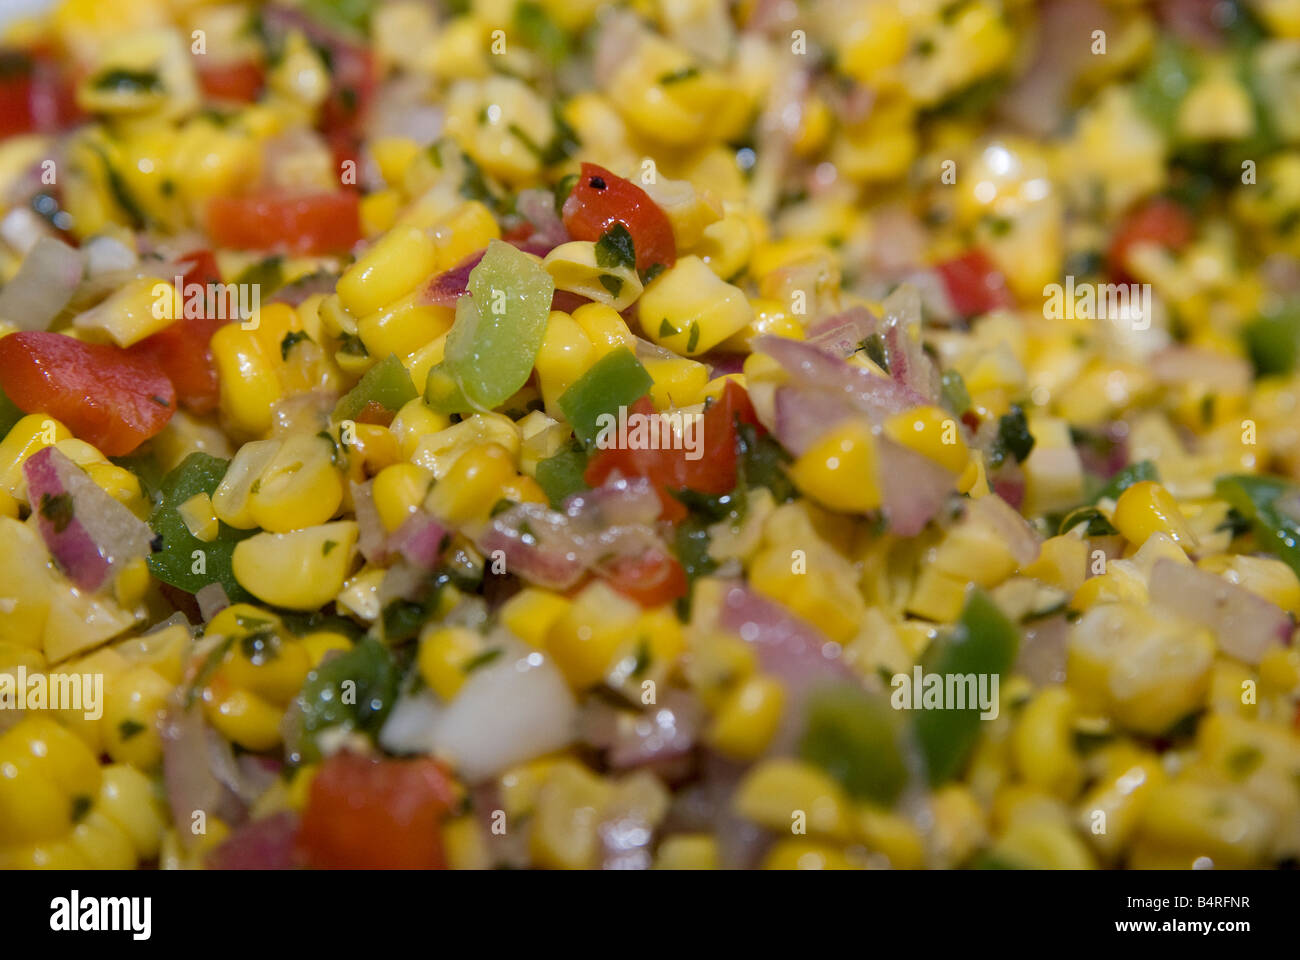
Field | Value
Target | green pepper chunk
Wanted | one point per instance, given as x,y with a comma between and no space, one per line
983,641
178,557
854,736
386,383
322,704
560,475
1266,503
615,380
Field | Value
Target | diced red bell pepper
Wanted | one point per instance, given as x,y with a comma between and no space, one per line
652,579
1160,221
105,395
183,350
600,199
670,470
35,94
369,814
305,224
974,284
240,81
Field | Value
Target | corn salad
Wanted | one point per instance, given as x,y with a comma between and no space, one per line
680,435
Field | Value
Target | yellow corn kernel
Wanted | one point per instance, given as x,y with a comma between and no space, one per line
379,211
245,719
29,435
771,318
1146,508
398,491
301,570
960,825
323,642
785,795
586,638
404,326
690,310
568,812
1279,670
370,448
413,421
1043,743
299,487
128,799
392,155
839,470
466,230
33,808
799,853
103,843
230,501
1121,583
531,612
604,328
443,656
524,489
250,386
678,382
1042,844
56,752
931,432
473,485
884,831
574,267
199,518
1109,813
687,851
565,355
714,388
824,593
748,718
439,452
389,270
937,596
164,651
275,677
872,42
726,246
134,707
132,583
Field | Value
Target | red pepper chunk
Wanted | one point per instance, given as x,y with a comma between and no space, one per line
600,199
238,80
305,224
183,350
669,470
1160,221
369,814
974,284
652,579
105,395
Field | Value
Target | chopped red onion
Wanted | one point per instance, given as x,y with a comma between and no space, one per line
212,600
449,286
1244,623
266,844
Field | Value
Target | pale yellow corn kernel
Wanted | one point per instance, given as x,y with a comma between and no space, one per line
771,318
473,485
960,824
891,834
1146,508
392,155
199,518
414,421
1042,844
443,656
250,386
8,505
531,612
164,651
230,501
785,795
1203,820
690,310
839,470
128,799
1265,576
55,754
404,326
30,435
502,124
298,487
389,270
1043,743
465,230
937,596
574,267
439,452
275,679
1109,813
604,328
137,310
302,570
565,355
300,75
244,718
103,843
543,436
800,853
1062,562
585,639
118,482
564,827
1121,583
465,846
687,851
370,448
931,432
819,587
398,492
521,784
523,489
1279,670
748,718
